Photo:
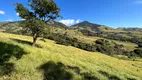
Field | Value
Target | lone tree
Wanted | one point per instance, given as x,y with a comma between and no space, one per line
40,12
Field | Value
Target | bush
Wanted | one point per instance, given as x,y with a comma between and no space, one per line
140,45
138,52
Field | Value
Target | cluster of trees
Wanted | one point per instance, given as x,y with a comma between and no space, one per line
87,32
125,39
138,51
110,47
101,45
140,44
113,36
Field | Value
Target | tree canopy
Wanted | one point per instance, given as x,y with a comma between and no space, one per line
40,12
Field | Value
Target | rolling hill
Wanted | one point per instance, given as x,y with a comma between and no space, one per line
52,61
14,27
11,27
76,31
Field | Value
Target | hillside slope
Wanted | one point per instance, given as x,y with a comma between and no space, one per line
20,61
11,27
14,27
85,25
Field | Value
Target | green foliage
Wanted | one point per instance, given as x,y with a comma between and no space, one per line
35,26
23,12
44,9
109,47
140,45
41,12
138,52
118,37
101,45
11,27
90,29
133,29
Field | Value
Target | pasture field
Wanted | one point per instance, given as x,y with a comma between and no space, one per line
48,60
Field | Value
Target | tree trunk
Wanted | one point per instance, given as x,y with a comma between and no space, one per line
34,40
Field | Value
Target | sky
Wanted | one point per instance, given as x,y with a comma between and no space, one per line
113,13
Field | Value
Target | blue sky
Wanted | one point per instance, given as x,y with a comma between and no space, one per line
113,13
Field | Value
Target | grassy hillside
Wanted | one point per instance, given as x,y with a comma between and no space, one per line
128,45
20,61
11,27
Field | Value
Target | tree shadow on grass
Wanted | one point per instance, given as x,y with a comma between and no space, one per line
25,42
6,69
89,76
59,71
110,77
53,71
6,52
131,79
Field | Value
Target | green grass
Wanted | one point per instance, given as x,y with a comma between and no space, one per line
129,46
36,63
87,39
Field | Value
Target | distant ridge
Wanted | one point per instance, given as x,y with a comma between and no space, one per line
90,27
87,24
57,24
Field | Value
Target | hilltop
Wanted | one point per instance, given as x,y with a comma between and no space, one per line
85,25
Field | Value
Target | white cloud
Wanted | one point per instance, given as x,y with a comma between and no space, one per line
17,14
23,19
138,2
9,20
2,12
69,22
78,21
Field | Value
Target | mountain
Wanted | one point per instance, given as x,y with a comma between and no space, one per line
11,27
57,24
85,25
14,27
90,29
